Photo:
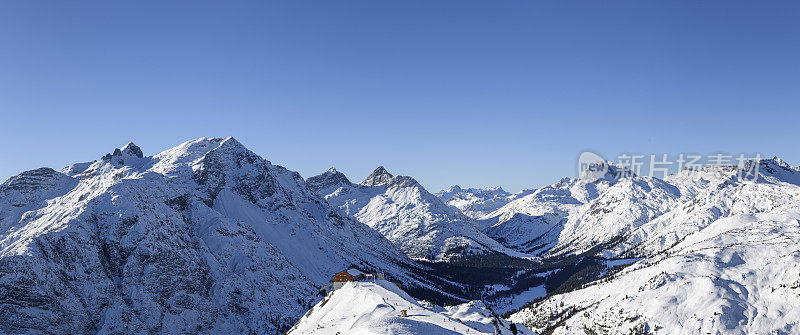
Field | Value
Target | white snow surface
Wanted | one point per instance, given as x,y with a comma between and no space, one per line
361,308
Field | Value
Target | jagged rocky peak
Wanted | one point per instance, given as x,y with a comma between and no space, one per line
771,170
449,193
129,149
403,181
498,189
130,154
328,181
780,161
776,162
378,177
132,149
331,173
750,164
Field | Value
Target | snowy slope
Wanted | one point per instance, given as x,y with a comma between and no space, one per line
374,308
402,210
738,275
478,202
206,235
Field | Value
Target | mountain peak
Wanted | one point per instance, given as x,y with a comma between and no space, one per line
132,149
230,143
780,162
498,189
231,140
378,177
327,182
129,149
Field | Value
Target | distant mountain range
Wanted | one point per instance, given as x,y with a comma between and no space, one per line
415,220
209,237
478,202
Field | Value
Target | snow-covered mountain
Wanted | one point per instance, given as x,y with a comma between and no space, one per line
203,237
402,210
208,237
719,255
635,215
715,193
535,222
737,275
477,202
362,308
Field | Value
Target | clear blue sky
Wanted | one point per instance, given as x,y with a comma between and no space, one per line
475,93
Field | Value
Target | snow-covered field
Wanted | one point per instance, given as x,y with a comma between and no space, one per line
361,308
